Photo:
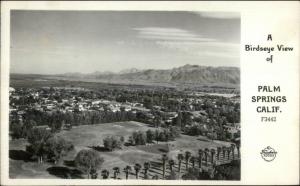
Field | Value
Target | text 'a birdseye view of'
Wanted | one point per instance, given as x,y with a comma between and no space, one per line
151,95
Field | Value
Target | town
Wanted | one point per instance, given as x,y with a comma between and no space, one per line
217,116
166,115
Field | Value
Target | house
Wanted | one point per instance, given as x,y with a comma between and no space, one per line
96,102
80,108
232,128
138,104
169,116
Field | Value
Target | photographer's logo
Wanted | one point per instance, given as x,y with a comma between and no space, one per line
268,154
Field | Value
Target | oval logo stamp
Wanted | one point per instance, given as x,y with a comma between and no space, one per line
268,154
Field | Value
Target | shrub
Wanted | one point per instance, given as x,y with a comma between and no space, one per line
111,142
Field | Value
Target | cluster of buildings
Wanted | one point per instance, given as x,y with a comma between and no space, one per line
47,101
70,99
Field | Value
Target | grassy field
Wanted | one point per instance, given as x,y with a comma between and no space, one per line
91,137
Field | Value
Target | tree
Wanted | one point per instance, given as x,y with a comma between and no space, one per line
86,160
127,170
223,150
118,142
171,164
206,151
37,138
111,143
238,148
232,146
108,143
186,118
164,159
116,172
150,136
146,168
179,119
28,127
228,150
200,155
175,132
212,152
137,168
122,140
56,147
156,135
131,140
94,174
105,174
192,160
16,130
180,158
162,136
139,138
187,157
219,149
157,120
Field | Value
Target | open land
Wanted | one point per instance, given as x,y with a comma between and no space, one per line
91,136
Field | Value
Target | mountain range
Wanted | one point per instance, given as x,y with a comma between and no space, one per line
192,74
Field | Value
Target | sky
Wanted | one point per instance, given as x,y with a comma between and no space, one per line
54,42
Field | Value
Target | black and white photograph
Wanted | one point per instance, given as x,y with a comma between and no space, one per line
124,95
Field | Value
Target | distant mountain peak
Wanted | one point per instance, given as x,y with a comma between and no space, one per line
189,66
130,70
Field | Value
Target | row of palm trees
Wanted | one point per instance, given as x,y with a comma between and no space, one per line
127,170
220,154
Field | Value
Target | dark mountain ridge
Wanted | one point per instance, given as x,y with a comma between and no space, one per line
185,74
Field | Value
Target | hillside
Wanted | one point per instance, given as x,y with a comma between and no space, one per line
192,74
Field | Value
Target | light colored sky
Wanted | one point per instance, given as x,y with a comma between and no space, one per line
52,42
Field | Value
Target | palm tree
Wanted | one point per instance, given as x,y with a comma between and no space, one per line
180,158
116,172
228,149
146,168
187,157
156,136
219,149
171,164
212,152
238,149
192,160
93,174
137,168
232,149
157,120
224,150
105,174
206,151
200,153
164,159
127,170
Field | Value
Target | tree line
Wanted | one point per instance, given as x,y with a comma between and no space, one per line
56,120
142,138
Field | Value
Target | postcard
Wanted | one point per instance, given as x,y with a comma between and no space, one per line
149,93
